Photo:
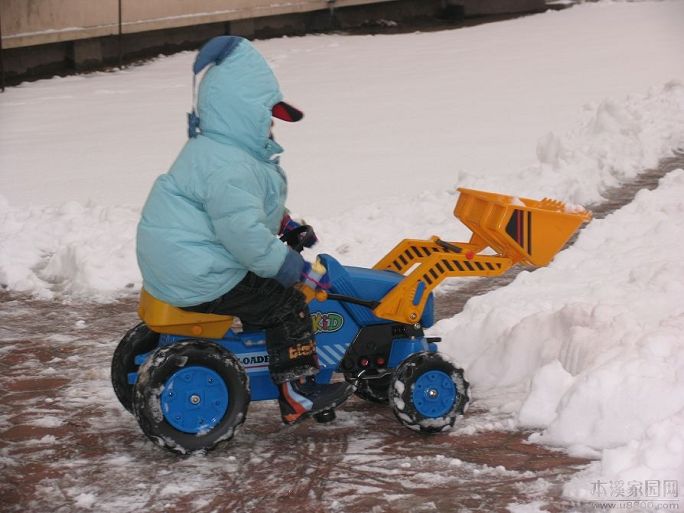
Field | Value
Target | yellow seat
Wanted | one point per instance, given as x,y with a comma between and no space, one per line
162,317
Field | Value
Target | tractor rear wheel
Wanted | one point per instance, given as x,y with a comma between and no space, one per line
191,396
138,340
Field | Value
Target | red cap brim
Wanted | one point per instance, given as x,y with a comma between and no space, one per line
286,112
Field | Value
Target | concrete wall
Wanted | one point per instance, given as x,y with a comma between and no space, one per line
38,22
493,7
41,38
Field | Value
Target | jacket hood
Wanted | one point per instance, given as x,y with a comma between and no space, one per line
235,99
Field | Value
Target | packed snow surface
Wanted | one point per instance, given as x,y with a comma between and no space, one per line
588,352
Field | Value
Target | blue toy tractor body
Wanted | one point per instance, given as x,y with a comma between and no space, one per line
350,340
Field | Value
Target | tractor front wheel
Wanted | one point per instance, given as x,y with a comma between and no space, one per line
428,393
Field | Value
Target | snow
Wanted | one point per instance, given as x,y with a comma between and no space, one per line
533,507
85,500
587,352
548,386
47,421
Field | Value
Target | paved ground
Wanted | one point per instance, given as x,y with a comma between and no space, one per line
67,445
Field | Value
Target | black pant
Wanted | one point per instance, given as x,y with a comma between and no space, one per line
263,303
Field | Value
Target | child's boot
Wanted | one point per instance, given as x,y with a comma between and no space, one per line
300,399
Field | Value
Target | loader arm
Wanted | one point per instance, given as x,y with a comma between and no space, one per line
430,262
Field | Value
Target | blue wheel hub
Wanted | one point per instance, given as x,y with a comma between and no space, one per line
434,394
194,399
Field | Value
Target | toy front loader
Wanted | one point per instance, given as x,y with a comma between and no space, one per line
518,230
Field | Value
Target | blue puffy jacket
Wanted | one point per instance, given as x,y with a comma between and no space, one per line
215,214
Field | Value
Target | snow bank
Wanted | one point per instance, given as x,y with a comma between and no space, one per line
616,140
591,348
74,250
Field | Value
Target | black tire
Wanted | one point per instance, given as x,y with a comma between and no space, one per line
428,393
138,340
164,372
374,390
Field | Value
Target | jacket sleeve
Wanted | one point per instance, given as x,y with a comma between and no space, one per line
239,221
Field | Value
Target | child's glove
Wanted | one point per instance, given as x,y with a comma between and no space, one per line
287,224
315,276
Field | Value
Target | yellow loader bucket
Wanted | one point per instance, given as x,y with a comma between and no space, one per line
522,229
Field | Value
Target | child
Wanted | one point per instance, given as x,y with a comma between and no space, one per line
208,237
